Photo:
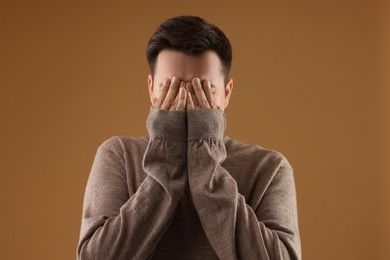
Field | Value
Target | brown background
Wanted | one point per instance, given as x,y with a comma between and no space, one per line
309,78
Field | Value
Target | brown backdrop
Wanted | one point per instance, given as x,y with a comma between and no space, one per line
310,81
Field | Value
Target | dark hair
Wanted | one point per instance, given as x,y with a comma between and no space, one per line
192,35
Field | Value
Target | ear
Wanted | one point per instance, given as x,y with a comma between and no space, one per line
150,88
228,91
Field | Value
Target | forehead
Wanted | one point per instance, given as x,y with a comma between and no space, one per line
204,65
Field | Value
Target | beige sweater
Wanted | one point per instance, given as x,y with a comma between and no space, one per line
188,191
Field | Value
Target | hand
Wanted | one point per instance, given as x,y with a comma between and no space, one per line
173,95
199,96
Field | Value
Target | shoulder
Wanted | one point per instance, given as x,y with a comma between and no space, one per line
119,143
255,154
256,169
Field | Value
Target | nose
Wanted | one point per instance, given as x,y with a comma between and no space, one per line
186,81
191,78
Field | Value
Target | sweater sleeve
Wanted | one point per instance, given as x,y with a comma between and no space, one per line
116,226
234,229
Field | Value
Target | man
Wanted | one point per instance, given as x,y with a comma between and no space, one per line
188,191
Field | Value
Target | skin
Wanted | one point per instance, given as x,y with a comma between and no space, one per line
184,81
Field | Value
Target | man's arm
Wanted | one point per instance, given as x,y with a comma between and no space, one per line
115,226
234,229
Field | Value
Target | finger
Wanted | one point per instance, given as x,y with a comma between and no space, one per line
193,97
164,90
190,102
174,104
200,95
172,92
209,94
176,101
182,99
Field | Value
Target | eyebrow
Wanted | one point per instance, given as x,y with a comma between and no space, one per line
202,81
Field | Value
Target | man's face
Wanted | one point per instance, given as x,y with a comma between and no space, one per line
206,66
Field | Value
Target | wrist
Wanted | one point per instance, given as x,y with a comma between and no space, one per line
206,123
166,124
